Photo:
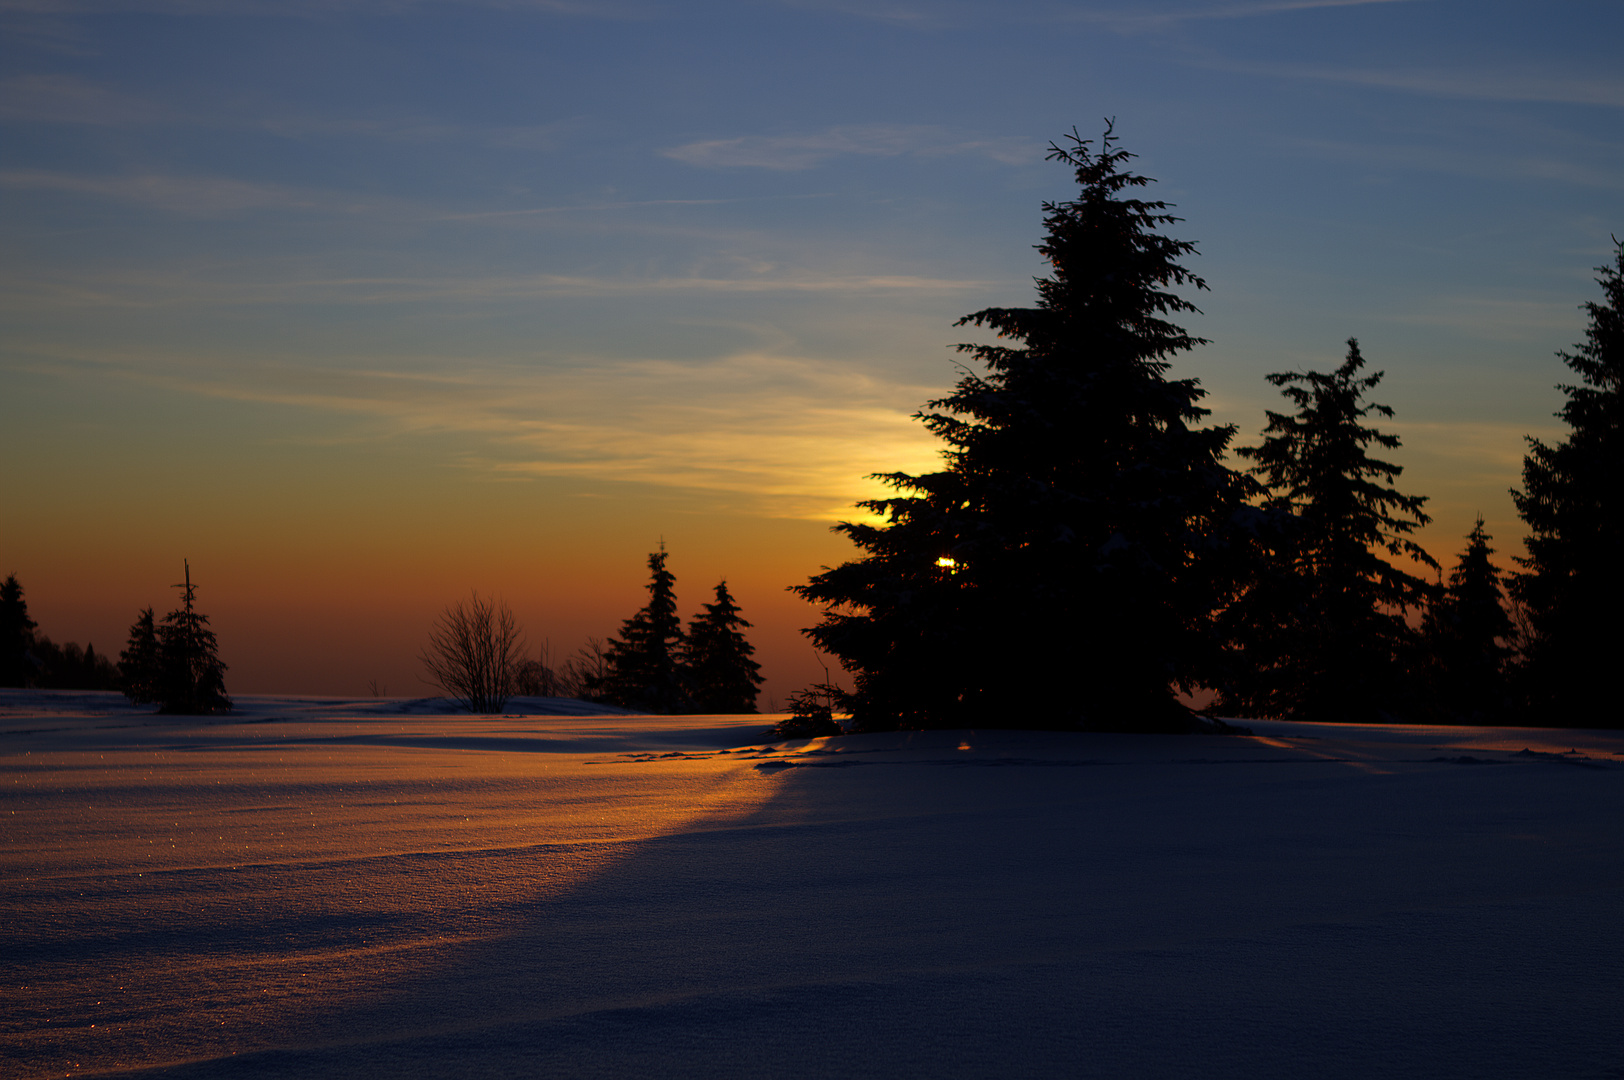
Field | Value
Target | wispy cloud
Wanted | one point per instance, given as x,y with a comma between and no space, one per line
1146,18
630,204
615,9
1498,85
1485,452
1558,164
230,286
44,32
70,99
190,196
1496,319
783,436
67,99
398,129
790,152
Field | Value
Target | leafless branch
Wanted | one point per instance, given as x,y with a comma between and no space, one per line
474,653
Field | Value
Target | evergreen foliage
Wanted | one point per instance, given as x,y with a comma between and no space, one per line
1321,633
16,634
1466,630
721,676
1062,569
1573,504
69,667
644,663
191,676
811,713
139,667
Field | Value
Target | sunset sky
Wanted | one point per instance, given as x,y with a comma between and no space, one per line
360,304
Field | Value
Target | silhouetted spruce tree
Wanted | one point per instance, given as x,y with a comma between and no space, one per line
138,664
1573,503
1062,569
191,676
643,670
1466,631
1321,634
722,677
16,634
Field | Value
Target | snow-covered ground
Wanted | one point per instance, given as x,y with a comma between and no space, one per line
315,888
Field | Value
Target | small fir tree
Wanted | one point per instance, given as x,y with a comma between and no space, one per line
139,667
1062,570
722,677
811,713
1572,586
1321,632
1466,630
191,675
16,634
642,665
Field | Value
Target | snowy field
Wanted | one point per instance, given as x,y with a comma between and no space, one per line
319,888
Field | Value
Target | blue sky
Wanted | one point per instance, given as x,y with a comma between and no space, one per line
359,272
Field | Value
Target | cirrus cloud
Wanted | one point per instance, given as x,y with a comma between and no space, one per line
792,152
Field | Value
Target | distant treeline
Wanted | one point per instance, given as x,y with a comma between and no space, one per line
172,664
476,654
30,659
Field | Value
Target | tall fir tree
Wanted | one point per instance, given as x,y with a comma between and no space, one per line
139,666
1321,635
191,675
1061,571
642,665
16,634
1466,631
722,677
1572,501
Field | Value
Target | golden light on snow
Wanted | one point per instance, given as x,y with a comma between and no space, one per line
349,883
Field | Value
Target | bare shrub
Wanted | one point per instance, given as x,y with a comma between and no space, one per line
538,677
474,653
582,675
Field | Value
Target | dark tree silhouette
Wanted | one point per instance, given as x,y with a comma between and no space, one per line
1466,631
811,713
69,667
16,634
1322,634
475,653
1061,571
138,665
192,679
643,668
1572,500
722,677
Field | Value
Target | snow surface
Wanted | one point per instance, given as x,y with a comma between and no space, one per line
313,887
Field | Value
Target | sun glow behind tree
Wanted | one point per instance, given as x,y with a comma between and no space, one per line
409,289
